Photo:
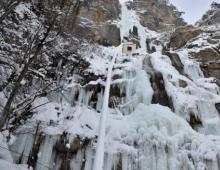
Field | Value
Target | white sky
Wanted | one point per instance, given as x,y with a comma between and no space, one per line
194,9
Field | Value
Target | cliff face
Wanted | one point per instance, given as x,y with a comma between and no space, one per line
164,104
158,15
90,20
202,42
97,22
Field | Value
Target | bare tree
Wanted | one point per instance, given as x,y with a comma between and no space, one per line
52,27
17,84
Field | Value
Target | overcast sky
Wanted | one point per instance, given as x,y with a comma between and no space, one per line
194,9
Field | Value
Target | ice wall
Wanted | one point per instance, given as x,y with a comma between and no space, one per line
148,138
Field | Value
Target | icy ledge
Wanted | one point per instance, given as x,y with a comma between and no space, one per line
151,137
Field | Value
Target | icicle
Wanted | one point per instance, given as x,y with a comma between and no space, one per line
84,96
46,149
22,146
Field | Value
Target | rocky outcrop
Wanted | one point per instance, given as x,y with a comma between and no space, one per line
182,35
158,15
90,20
157,82
175,60
183,83
204,49
194,121
207,55
209,59
95,22
160,95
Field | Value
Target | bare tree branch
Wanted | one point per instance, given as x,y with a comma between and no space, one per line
17,85
10,8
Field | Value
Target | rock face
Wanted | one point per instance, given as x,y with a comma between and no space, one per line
182,35
158,15
212,16
195,52
90,20
157,82
201,42
209,54
176,62
95,22
209,59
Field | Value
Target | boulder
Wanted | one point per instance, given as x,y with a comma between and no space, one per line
183,83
